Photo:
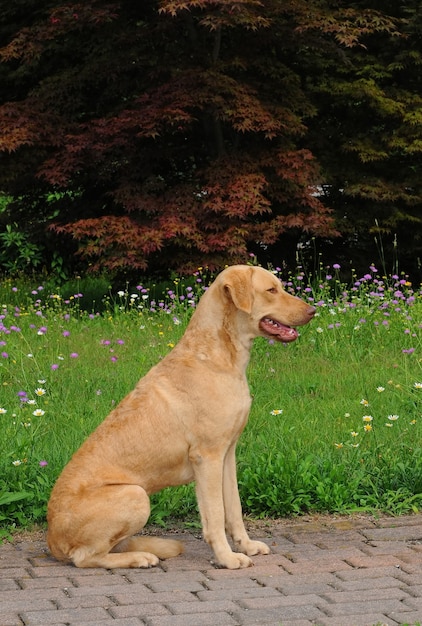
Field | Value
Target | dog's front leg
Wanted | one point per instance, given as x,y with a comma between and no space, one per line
208,470
233,510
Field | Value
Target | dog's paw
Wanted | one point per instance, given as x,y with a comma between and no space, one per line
255,547
144,559
235,560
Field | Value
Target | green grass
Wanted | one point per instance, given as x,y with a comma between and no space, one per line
305,448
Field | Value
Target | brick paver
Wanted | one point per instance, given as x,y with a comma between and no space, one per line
322,571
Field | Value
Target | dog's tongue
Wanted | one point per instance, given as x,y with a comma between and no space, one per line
278,331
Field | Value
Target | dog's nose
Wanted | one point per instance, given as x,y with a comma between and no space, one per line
311,311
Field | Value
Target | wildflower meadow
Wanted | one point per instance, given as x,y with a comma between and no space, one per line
336,420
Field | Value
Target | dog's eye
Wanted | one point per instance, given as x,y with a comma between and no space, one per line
272,290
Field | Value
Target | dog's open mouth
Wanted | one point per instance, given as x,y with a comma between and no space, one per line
278,331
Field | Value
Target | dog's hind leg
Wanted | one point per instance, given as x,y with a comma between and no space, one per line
97,531
106,516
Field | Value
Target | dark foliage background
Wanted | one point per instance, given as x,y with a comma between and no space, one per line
143,137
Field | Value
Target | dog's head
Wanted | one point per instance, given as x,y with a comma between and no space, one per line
270,310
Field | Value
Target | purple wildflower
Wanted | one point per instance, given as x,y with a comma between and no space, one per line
22,395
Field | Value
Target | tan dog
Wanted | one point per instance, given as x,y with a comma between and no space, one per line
180,423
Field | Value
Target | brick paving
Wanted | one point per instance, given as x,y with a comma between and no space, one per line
325,571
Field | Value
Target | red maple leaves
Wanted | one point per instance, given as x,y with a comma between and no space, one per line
176,131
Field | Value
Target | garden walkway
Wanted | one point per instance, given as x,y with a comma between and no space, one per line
328,571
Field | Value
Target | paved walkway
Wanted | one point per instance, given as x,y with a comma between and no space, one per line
324,571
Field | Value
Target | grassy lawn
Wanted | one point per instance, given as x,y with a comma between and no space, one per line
336,422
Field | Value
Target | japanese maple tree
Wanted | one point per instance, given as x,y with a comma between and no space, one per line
178,133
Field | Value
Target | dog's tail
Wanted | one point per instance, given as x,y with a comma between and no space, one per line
163,548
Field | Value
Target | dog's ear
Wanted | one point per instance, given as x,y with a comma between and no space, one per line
238,288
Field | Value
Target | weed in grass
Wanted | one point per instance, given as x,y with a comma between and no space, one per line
335,423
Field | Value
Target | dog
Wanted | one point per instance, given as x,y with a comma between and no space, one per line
180,424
